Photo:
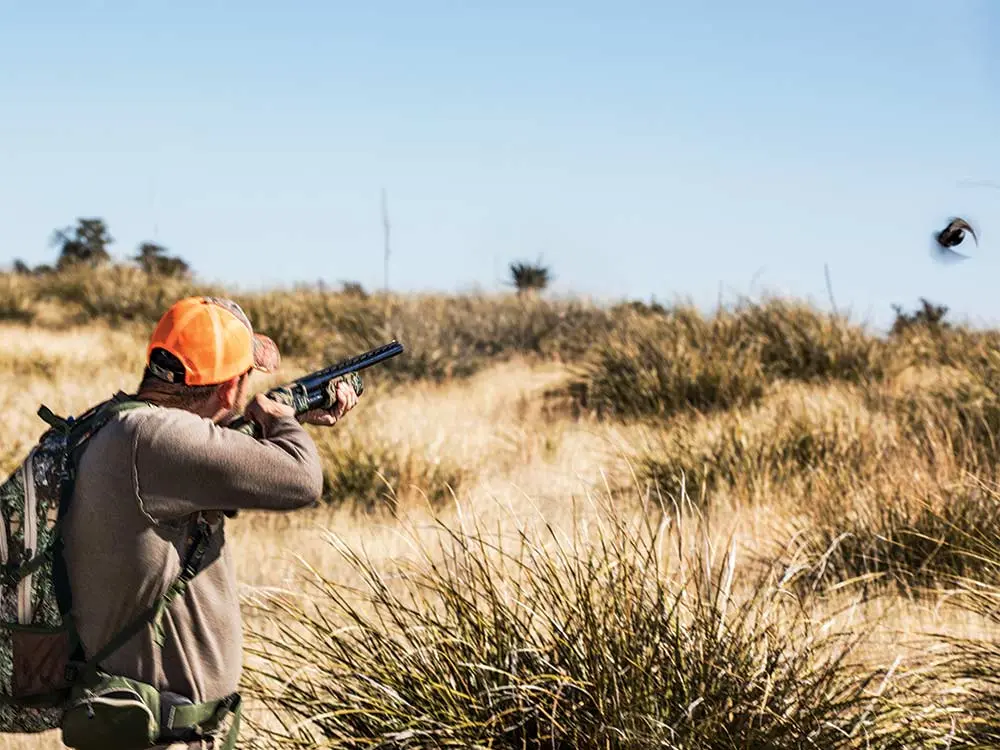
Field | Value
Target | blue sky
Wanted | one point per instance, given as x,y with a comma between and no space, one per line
641,149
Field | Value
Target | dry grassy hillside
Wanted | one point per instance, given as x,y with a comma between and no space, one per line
552,524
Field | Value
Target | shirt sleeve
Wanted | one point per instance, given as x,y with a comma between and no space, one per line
183,464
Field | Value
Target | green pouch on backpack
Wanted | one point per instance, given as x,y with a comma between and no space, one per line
106,711
111,711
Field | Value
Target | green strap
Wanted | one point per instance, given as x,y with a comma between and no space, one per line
229,743
81,430
199,545
93,419
207,717
154,614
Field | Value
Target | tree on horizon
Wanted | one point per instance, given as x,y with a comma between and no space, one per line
153,259
86,243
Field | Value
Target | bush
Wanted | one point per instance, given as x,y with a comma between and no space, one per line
978,352
950,416
796,433
799,343
529,277
115,293
892,540
661,365
545,644
660,362
929,316
377,475
17,302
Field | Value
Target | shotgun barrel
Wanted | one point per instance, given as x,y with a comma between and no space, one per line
317,390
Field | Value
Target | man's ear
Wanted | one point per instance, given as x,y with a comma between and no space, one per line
228,392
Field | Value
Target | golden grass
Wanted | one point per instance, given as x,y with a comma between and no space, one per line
787,451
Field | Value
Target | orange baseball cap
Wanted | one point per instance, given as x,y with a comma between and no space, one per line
214,341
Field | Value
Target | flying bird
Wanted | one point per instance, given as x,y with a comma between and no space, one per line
952,235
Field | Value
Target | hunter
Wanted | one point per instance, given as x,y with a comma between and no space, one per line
153,476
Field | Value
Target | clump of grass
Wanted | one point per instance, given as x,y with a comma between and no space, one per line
797,342
958,347
794,434
951,415
115,293
892,541
659,365
970,665
538,642
448,337
659,362
17,303
377,475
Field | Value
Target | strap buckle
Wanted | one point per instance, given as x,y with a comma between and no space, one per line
181,720
60,424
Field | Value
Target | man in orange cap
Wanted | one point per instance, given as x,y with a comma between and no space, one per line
154,591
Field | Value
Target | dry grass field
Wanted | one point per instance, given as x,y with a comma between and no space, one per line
555,525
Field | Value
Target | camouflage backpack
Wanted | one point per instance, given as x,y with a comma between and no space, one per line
37,639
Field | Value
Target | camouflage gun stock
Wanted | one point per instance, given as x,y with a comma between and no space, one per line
318,390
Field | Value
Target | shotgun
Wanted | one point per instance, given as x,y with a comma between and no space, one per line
318,390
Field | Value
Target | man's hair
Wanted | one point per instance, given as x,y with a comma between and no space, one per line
180,394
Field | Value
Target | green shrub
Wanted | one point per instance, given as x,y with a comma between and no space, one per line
659,362
115,293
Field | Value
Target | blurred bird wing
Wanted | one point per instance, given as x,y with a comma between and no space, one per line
960,224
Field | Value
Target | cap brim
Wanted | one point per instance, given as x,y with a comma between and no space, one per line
266,356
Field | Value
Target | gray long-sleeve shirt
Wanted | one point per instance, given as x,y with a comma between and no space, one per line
141,479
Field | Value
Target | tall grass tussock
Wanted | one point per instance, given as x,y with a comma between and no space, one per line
608,638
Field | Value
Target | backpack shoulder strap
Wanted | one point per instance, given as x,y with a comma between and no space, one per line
200,537
78,431
87,425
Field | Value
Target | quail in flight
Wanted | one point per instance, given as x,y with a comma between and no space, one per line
953,235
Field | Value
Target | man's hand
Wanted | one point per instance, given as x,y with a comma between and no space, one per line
263,409
347,399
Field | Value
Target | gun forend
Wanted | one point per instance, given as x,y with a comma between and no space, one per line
317,390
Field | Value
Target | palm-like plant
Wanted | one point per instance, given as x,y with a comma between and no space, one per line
528,277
